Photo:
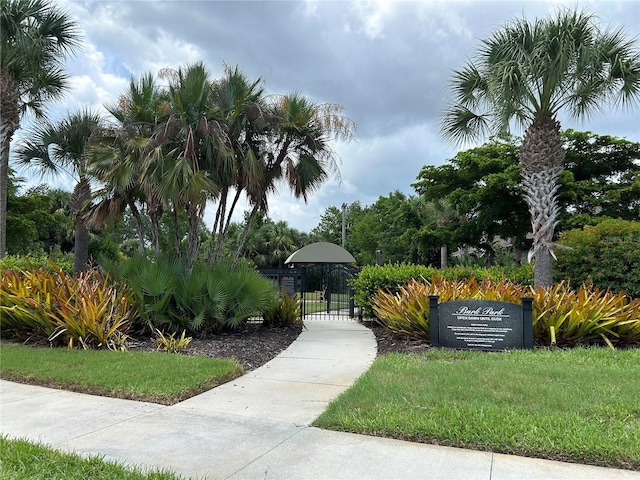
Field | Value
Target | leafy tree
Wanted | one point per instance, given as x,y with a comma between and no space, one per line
329,229
529,73
606,255
600,178
62,146
37,222
481,187
390,225
35,38
442,220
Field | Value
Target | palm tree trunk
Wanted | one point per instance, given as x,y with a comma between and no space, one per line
218,224
155,212
541,160
223,231
79,200
176,232
193,234
243,238
444,254
136,214
5,141
9,123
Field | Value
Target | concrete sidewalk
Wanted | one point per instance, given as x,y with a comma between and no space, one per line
257,426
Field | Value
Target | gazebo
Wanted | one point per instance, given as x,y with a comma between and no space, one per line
320,252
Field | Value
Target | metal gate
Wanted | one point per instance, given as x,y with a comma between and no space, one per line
323,288
327,292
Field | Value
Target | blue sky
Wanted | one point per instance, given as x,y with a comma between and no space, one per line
386,62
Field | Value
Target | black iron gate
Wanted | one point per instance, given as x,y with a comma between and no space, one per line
327,291
323,289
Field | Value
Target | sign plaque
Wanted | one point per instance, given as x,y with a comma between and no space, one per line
481,324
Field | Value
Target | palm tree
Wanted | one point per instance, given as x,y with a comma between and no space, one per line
35,38
528,73
63,146
298,151
120,157
186,148
242,115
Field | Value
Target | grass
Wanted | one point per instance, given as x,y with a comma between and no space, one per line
148,376
578,405
339,301
20,459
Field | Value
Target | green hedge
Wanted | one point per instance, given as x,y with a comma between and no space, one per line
392,277
606,256
35,262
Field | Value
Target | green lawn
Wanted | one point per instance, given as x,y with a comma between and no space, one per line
20,459
339,301
580,405
149,376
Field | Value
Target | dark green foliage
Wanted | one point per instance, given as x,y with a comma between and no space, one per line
483,183
606,255
391,277
284,313
209,299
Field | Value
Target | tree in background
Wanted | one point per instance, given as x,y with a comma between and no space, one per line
481,187
329,229
63,146
389,225
35,39
529,73
38,221
599,179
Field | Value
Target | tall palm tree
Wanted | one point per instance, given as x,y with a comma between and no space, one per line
529,72
243,118
297,151
186,147
119,159
63,146
35,38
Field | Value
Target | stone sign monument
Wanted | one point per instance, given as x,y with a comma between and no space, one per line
481,324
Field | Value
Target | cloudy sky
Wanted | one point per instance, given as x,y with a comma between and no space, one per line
386,62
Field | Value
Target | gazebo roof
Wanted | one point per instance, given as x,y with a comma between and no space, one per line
321,252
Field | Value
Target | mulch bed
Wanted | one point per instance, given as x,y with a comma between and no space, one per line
389,342
255,345
252,347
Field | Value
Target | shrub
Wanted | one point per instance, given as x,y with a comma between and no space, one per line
391,277
560,315
57,261
285,312
208,299
55,307
606,255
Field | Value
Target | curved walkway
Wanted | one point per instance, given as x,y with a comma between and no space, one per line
257,426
